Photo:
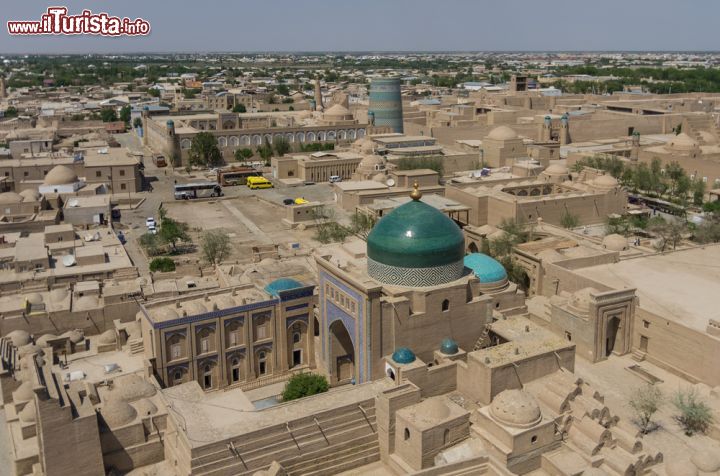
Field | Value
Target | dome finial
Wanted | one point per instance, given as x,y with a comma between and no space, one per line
416,194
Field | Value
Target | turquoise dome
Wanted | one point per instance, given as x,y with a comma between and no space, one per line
403,355
282,284
415,235
448,346
487,269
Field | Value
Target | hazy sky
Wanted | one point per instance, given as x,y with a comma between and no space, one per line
384,25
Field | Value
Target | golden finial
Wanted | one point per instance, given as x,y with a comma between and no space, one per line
416,194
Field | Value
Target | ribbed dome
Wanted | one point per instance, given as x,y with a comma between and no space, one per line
60,175
516,408
415,235
487,269
502,133
117,413
403,355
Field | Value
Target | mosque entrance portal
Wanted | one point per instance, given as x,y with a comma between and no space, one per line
611,334
342,353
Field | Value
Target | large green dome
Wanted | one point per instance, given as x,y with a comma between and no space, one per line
415,238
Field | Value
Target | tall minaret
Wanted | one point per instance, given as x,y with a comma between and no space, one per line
3,92
318,96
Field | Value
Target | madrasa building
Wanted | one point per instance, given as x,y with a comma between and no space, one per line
411,285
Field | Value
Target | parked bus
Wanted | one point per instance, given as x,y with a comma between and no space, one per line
258,182
235,175
159,161
187,191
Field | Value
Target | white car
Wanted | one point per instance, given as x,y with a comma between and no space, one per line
150,222
152,230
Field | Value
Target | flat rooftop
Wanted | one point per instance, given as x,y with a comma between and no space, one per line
680,286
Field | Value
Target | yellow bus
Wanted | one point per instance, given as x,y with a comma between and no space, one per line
258,182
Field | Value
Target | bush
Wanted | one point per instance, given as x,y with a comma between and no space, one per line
695,415
215,246
164,265
151,243
645,401
304,385
569,220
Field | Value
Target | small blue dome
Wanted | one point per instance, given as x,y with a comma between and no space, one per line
403,355
282,284
146,108
485,268
170,123
448,346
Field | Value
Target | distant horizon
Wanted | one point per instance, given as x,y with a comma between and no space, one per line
377,26
351,52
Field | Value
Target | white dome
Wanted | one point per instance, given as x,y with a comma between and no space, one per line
117,413
19,337
502,133
60,175
516,408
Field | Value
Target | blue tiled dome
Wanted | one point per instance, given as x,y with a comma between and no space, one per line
448,346
485,268
282,284
403,355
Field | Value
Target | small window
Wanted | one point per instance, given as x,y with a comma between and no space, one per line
177,375
123,186
98,173
445,305
407,434
122,173
568,336
646,324
296,337
25,174
533,439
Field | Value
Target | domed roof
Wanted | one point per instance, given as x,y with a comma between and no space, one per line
337,110
117,413
24,392
516,408
18,337
615,242
448,346
502,133
131,388
403,355
580,300
706,460
145,407
605,181
10,197
43,341
680,467
282,284
30,195
415,235
379,177
194,308
364,145
29,349
74,336
435,409
60,175
27,414
34,298
59,294
556,169
683,142
487,269
370,161
107,337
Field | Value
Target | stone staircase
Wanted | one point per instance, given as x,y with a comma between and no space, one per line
483,339
638,355
695,124
136,346
335,442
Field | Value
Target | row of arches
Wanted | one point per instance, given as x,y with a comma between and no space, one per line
291,137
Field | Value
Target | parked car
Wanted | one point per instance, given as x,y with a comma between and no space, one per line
115,214
300,201
288,201
152,230
150,222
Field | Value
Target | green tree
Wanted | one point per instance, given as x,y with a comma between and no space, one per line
698,191
569,220
695,415
239,108
265,151
172,232
137,122
242,155
215,245
151,243
154,92
108,115
204,150
164,265
304,385
125,114
283,89
645,401
282,146
11,111
361,224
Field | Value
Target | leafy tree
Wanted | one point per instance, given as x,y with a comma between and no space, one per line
242,155
282,146
154,92
125,114
108,115
164,265
569,220
137,123
239,108
204,150
215,246
695,415
668,233
645,401
151,243
304,385
698,191
282,89
265,151
11,111
361,224
172,232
